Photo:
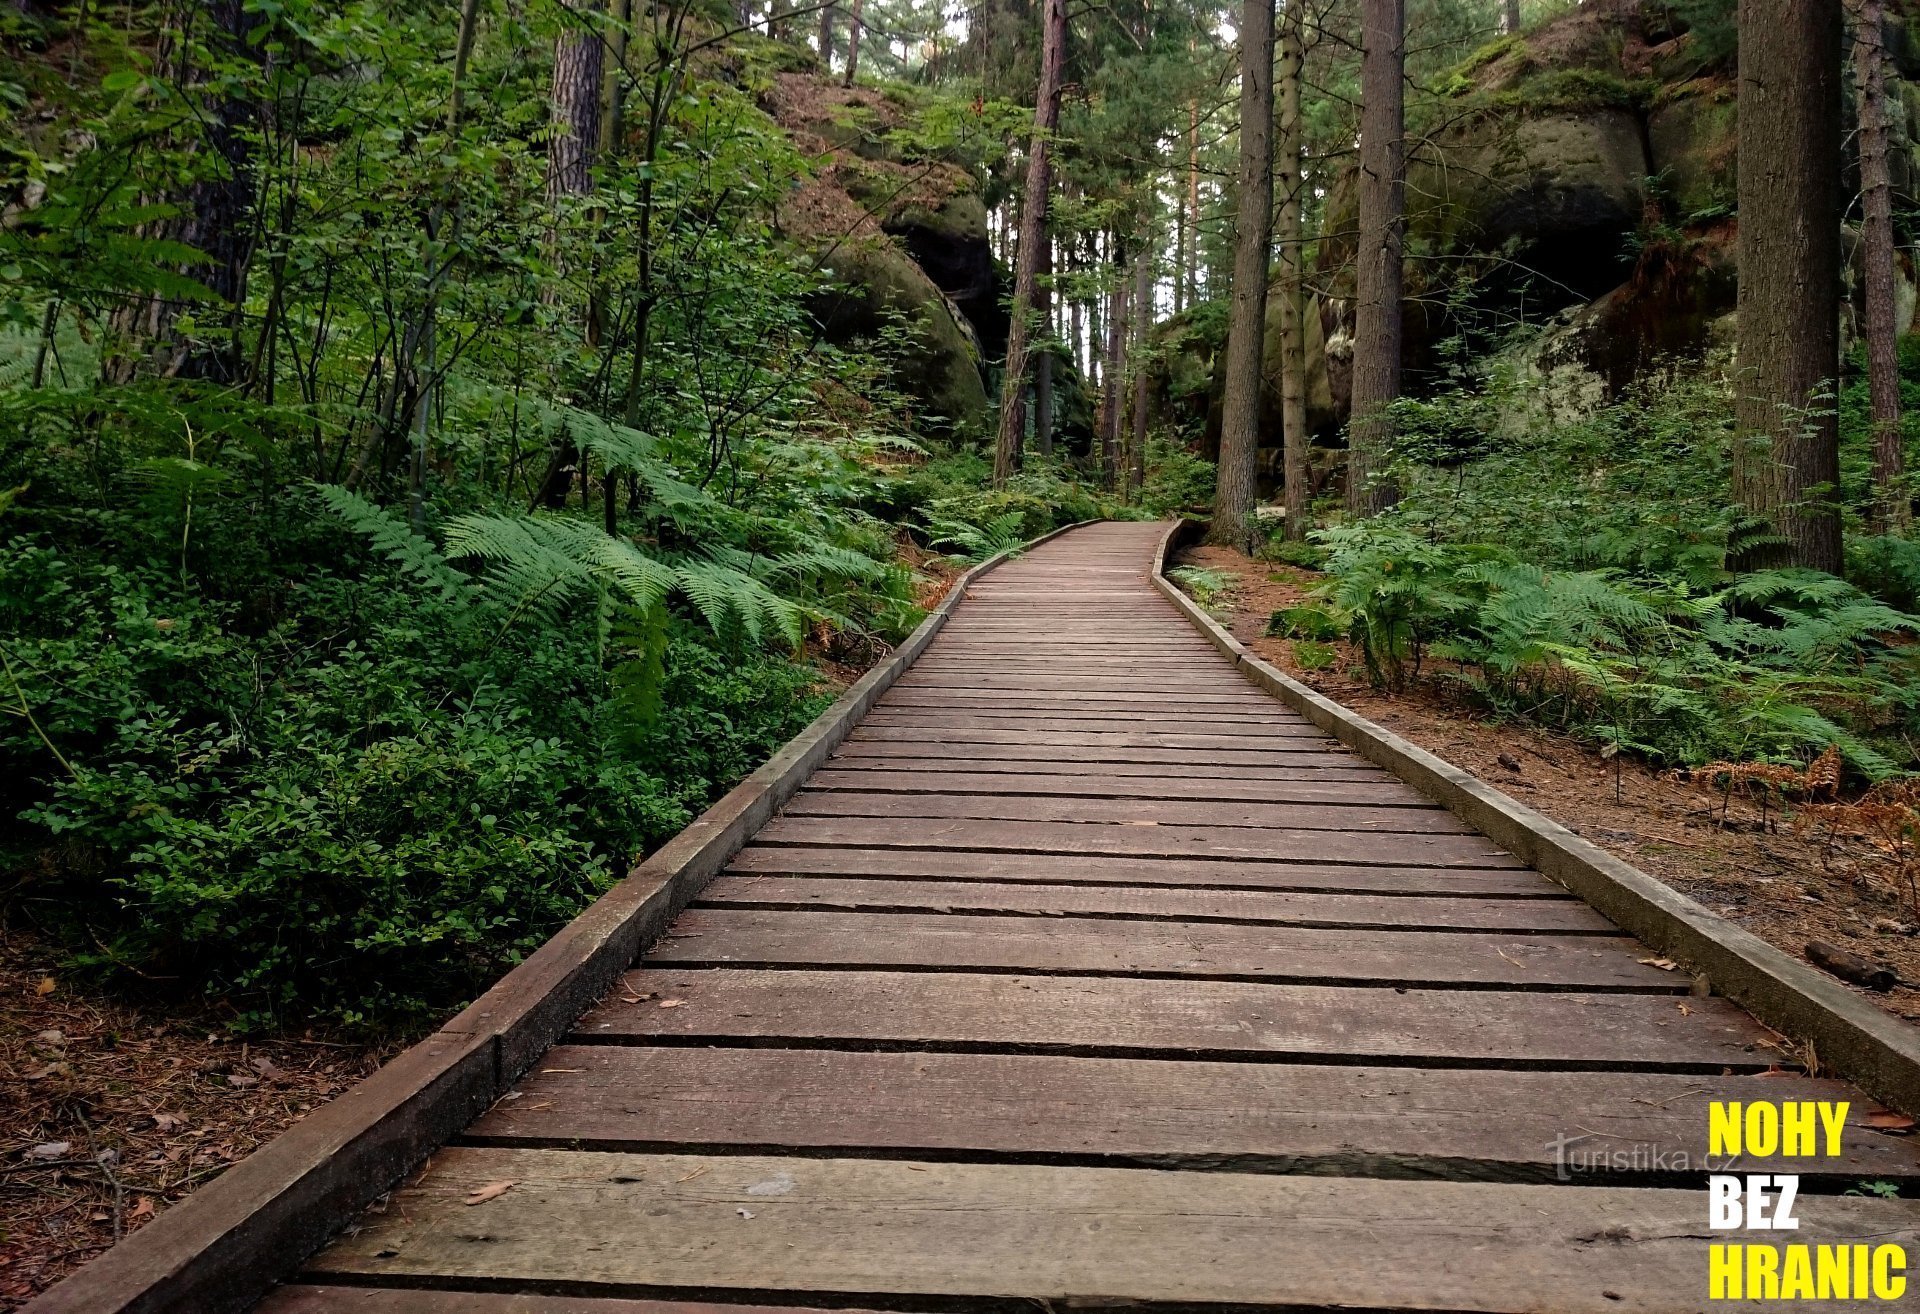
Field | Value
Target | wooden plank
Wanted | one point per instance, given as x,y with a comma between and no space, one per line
1079,1236
1124,700
1329,846
1417,818
1284,908
1099,946
1291,787
1237,1020
1496,880
1247,1116
931,725
331,1299
1277,753
1103,736
1173,777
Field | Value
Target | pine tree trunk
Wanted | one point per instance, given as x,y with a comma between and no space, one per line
853,42
1509,16
777,19
1142,325
578,62
1190,261
1033,228
1043,366
1247,317
1786,455
574,109
1293,341
1115,373
826,38
1892,505
1376,335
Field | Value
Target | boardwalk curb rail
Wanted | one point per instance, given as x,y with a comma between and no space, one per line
1851,1038
223,1247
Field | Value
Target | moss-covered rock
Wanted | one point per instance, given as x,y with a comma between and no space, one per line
876,286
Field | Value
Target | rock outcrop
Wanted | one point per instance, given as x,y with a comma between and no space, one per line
905,241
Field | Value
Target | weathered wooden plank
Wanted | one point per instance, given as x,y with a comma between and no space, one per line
1092,732
1494,880
1418,817
1176,779
1285,908
1271,1117
1291,787
1332,846
1122,700
1087,758
1081,1236
1188,1018
930,722
332,1299
1082,946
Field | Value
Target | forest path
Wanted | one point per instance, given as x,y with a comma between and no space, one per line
1087,972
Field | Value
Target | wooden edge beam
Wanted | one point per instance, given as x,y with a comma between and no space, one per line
1848,1036
220,1250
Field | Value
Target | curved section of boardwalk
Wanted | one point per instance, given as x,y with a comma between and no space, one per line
1086,972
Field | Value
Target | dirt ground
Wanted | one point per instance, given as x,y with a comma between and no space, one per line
1787,886
113,1111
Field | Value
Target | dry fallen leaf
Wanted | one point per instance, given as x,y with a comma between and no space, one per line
46,986
1664,964
1886,1120
142,1208
50,1150
672,1003
167,1122
491,1191
1684,1010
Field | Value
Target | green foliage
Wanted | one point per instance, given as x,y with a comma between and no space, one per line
1304,622
1178,480
1201,583
1773,666
1311,656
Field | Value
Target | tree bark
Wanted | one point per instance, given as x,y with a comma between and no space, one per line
574,110
853,42
1113,392
1033,228
1142,325
1509,16
1247,317
578,63
1786,467
777,16
826,38
1043,366
1376,345
1190,259
1892,505
1293,342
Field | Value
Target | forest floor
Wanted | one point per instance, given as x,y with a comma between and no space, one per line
114,1107
1786,885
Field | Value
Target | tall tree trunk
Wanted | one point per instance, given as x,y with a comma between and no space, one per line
1509,16
826,38
1043,367
1293,341
853,41
1376,334
579,58
1113,377
1190,259
1787,455
1142,326
777,19
579,64
1096,322
1033,228
1247,317
1892,505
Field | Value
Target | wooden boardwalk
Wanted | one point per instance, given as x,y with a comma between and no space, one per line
1087,973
